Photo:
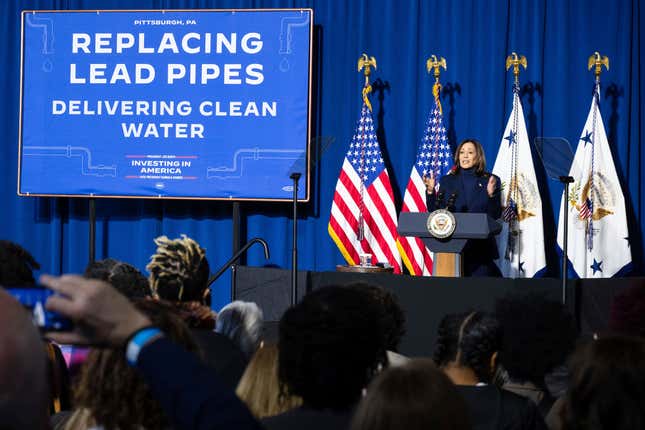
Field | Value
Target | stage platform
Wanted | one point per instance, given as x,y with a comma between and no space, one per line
425,300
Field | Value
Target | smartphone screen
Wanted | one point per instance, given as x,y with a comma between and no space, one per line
33,299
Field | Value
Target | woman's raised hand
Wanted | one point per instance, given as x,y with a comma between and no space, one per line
429,182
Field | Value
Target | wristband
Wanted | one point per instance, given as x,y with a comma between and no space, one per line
139,340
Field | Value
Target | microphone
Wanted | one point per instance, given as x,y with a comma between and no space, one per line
441,200
451,202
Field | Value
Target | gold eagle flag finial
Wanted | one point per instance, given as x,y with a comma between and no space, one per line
366,63
516,61
598,61
434,64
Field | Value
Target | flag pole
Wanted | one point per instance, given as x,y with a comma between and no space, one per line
365,63
434,65
596,61
512,202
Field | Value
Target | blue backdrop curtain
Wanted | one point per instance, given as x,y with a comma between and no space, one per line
556,36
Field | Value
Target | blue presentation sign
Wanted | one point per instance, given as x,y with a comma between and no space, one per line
174,104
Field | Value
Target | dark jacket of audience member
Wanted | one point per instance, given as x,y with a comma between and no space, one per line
191,393
607,385
330,346
467,349
414,396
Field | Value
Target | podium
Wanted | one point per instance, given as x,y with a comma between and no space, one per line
447,252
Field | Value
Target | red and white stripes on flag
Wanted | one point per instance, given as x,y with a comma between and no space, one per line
363,217
434,157
585,209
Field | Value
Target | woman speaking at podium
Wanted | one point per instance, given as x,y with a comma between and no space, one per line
468,187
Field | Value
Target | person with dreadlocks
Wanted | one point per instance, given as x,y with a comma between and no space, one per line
179,270
179,274
467,350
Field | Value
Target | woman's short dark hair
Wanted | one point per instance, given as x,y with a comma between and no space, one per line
123,276
539,335
607,388
391,315
330,346
470,339
415,396
16,265
480,167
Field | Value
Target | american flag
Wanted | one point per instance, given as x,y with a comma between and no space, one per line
510,211
434,157
586,209
363,217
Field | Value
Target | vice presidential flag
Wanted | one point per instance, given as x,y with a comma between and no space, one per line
434,157
598,235
521,242
363,217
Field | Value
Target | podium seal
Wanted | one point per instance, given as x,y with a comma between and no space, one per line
441,223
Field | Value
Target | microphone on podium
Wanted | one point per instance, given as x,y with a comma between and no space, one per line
451,202
441,200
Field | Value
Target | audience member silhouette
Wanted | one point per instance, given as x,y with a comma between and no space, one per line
467,350
259,387
179,274
607,385
179,270
627,311
123,276
242,323
25,390
413,396
391,316
330,344
16,270
539,335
